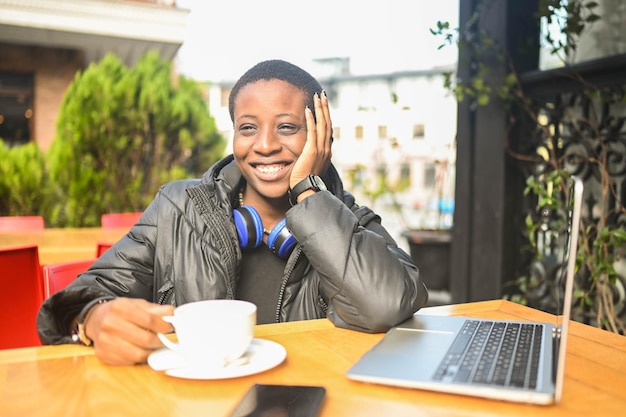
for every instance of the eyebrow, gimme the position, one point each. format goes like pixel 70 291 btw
pixel 256 117
pixel 246 115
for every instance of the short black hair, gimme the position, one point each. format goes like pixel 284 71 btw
pixel 276 69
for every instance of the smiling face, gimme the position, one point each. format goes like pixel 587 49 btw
pixel 270 133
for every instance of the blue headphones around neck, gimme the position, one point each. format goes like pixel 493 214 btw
pixel 250 230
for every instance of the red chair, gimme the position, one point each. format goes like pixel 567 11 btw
pixel 102 247
pixel 58 276
pixel 15 223
pixel 21 296
pixel 112 220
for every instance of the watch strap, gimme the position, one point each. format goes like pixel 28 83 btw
pixel 308 183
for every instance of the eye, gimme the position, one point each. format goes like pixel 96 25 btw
pixel 288 129
pixel 247 129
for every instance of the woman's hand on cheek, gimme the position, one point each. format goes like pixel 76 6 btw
pixel 317 151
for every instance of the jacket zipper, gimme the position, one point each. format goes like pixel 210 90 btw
pixel 163 298
pixel 286 277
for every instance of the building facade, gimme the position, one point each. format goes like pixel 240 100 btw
pixel 43 43
pixel 402 124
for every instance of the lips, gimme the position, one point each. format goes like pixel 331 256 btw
pixel 270 172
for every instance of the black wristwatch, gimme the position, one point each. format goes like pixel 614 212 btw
pixel 311 182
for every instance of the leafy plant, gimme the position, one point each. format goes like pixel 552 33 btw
pixel 601 242
pixel 569 18
pixel 600 248
pixel 23 180
pixel 121 133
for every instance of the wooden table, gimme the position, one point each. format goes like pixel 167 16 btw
pixel 69 381
pixel 63 245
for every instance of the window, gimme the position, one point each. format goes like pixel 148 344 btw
pixel 429 175
pixel 358 132
pixel 382 132
pixel 418 131
pixel 603 39
pixel 405 173
pixel 16 108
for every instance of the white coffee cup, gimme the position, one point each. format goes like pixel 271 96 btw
pixel 212 332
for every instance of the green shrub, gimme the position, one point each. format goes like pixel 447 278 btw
pixel 23 180
pixel 123 132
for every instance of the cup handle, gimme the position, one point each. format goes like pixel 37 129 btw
pixel 167 342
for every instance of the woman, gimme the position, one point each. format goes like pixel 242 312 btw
pixel 270 224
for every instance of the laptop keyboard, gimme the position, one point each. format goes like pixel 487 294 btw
pixel 494 353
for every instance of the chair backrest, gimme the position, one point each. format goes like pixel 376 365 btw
pixel 21 296
pixel 111 220
pixel 102 247
pixel 58 276
pixel 11 223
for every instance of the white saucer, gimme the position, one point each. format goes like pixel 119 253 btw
pixel 261 356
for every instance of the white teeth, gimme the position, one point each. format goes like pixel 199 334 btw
pixel 269 169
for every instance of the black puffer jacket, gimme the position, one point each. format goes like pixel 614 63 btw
pixel 184 248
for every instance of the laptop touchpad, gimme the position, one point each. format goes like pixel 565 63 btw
pixel 402 341
pixel 405 353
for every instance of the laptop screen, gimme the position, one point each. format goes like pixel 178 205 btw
pixel 567 271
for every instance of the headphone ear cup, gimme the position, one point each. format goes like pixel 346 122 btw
pixel 280 240
pixel 249 226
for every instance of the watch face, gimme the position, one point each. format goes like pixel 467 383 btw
pixel 319 183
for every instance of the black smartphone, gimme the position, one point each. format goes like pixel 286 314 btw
pixel 264 400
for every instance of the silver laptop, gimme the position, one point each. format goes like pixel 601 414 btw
pixel 499 359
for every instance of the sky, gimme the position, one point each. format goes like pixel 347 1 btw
pixel 224 38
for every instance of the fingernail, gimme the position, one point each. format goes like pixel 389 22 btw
pixel 324 92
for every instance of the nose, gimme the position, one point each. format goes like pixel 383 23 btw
pixel 267 142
